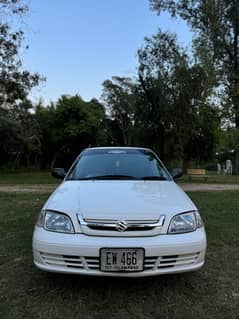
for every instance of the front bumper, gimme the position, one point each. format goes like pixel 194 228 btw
pixel 79 253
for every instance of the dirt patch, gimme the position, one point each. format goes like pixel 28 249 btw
pixel 48 188
pixel 41 189
pixel 209 187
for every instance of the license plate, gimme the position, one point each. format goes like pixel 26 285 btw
pixel 122 259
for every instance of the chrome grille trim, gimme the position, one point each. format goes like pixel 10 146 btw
pixel 112 224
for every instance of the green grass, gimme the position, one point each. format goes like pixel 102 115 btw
pixel 212 292
pixel 31 177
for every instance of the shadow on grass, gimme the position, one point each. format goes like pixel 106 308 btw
pixel 78 282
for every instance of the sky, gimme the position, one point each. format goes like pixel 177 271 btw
pixel 77 44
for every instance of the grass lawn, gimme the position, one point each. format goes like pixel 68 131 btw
pixel 212 292
pixel 31 177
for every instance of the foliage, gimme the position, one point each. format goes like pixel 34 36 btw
pixel 19 133
pixel 69 126
pixel 10 135
pixel 17 127
pixel 216 27
pixel 175 104
pixel 119 97
pixel 15 83
pixel 168 107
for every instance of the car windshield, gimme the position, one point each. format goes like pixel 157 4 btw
pixel 117 164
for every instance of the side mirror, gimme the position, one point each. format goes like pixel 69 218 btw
pixel 58 173
pixel 176 173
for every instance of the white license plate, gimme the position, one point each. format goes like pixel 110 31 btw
pixel 122 259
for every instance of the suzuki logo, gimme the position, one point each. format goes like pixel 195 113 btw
pixel 121 225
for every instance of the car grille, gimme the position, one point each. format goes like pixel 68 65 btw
pixel 93 263
pixel 121 228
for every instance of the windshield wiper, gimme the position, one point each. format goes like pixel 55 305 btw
pixel 154 178
pixel 106 177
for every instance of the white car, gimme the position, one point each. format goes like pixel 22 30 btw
pixel 118 212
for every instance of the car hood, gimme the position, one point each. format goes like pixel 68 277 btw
pixel 119 199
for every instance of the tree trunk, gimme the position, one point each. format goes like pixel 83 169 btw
pixel 236 163
pixel 53 160
pixel 236 107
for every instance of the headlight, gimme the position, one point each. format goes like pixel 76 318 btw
pixel 58 222
pixel 185 222
pixel 55 221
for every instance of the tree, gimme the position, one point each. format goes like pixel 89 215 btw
pixel 69 126
pixel 11 140
pixel 119 97
pixel 15 82
pixel 16 122
pixel 216 27
pixel 173 98
pixel 20 135
pixel 156 61
pixel 30 132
